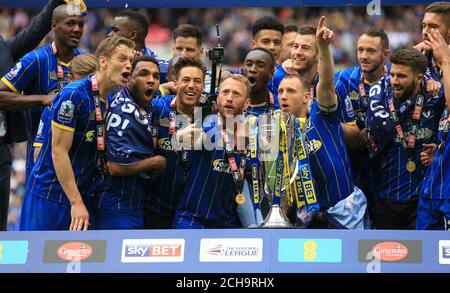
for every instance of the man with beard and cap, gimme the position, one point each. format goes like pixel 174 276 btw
pixel 130 156
pixel 402 121
pixel 55 195
pixel 43 72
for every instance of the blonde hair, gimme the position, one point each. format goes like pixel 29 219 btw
pixel 84 64
pixel 109 45
pixel 242 79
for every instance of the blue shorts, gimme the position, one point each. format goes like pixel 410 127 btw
pixel 106 219
pixel 40 214
pixel 433 214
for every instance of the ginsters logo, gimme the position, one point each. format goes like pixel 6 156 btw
pixel 61 251
pixel 231 250
pixel 392 251
pixel 75 251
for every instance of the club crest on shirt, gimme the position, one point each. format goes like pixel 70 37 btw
pixel 90 136
pixel 164 122
pixel 52 75
pixel 14 71
pixel 220 165
pixel 65 113
pixel 354 95
pixel 92 115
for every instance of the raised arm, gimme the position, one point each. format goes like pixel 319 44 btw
pixel 325 89
pixel 29 38
pixel 441 53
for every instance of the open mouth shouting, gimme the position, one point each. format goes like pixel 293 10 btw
pixel 126 77
pixel 228 109
pixel 252 80
pixel 148 93
pixel 284 107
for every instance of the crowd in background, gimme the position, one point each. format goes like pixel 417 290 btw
pixel 400 23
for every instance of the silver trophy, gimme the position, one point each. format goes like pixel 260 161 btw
pixel 278 164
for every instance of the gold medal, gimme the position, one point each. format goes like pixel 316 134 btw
pixel 240 198
pixel 411 166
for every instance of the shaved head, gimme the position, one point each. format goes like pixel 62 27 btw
pixel 64 11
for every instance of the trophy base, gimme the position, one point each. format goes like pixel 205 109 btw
pixel 276 219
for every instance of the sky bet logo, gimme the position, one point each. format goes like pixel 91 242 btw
pixel 444 252
pixel 152 250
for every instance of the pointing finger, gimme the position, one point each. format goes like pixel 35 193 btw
pixel 321 22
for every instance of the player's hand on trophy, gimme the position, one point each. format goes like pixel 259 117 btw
pixel 324 35
pixel 79 217
pixel 441 51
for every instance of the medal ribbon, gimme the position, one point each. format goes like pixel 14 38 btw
pixel 183 155
pixel 254 162
pixel 236 173
pixel 303 181
pixel 100 129
pixel 63 79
